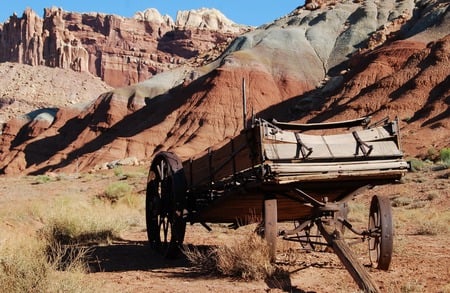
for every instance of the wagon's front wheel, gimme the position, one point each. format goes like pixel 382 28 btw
pixel 165 202
pixel 381 232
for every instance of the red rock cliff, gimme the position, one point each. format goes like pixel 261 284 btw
pixel 122 51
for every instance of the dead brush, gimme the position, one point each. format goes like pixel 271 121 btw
pixel 26 266
pixel 248 259
pixel 67 257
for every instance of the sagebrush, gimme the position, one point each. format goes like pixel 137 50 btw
pixel 248 259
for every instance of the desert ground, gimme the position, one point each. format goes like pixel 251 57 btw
pixel 421 260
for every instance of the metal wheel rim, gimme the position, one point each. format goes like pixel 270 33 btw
pixel 381 233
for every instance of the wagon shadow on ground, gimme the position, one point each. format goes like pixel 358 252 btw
pixel 122 256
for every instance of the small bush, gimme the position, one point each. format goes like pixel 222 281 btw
pixel 416 165
pixel 416 205
pixel 433 223
pixel 77 223
pixel 432 154
pixel 445 156
pixel 41 179
pixel 81 228
pixel 248 259
pixel 25 267
pixel 401 201
pixel 412 287
pixel 70 258
pixel 117 190
pixel 122 174
pixel 118 171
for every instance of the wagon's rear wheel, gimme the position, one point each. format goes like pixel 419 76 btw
pixel 165 203
pixel 381 232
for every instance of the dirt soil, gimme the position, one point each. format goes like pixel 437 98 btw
pixel 421 262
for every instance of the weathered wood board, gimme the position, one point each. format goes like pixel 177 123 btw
pixel 215 164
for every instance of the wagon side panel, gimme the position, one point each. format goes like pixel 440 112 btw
pixel 216 164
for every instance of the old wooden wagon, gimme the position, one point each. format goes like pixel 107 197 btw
pixel 277 172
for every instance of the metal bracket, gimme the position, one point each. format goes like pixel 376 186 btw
pixel 361 145
pixel 302 148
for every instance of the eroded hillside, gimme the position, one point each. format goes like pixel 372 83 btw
pixel 338 61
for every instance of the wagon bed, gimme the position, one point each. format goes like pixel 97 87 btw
pixel 270 158
pixel 274 172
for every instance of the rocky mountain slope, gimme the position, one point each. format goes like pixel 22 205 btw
pixel 25 88
pixel 337 61
pixel 121 51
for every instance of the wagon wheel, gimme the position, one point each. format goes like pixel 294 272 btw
pixel 381 232
pixel 165 203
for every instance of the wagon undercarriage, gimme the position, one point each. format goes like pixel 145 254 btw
pixel 273 172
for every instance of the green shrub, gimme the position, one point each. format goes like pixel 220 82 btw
pixel 445 156
pixel 117 190
pixel 41 179
pixel 416 164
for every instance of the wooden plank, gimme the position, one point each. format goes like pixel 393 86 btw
pixel 331 177
pixel 373 134
pixel 330 150
pixel 336 167
pixel 350 262
pixel 324 125
pixel 270 226
pixel 217 163
pixel 367 135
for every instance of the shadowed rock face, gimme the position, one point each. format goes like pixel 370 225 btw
pixel 334 62
pixel 121 51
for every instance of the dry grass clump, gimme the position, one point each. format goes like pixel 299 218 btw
pixel 23 267
pixel 401 201
pixel 412 287
pixel 248 259
pixel 121 192
pixel 426 222
pixel 55 258
pixel 357 212
pixel 81 224
pixel 26 267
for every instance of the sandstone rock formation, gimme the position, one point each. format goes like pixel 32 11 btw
pixel 205 18
pixel 121 51
pixel 311 65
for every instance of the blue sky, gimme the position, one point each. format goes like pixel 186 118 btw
pixel 250 12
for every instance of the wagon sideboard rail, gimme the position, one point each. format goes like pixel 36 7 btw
pixel 304 173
